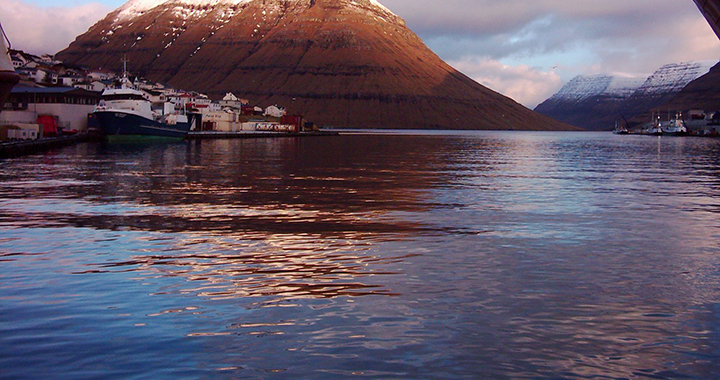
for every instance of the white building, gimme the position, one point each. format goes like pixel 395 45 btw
pixel 275 111
pixel 230 100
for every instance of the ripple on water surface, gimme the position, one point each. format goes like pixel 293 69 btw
pixel 412 255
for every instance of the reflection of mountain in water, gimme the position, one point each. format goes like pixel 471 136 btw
pixel 258 218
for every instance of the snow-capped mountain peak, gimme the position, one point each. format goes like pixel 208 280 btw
pixel 135 8
pixel 584 87
pixel 673 77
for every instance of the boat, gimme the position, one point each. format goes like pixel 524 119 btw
pixel 620 129
pixel 654 129
pixel 674 127
pixel 126 111
pixel 8 77
pixel 671 127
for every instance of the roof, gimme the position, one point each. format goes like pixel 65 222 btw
pixel 53 90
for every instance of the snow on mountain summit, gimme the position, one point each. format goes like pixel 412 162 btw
pixel 596 102
pixel 135 8
pixel 138 7
pixel 584 87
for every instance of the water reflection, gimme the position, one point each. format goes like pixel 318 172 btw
pixel 281 268
pixel 481 255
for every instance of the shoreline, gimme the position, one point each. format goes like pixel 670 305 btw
pixel 14 149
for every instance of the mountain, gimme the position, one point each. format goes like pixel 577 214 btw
pixel 342 63
pixel 596 102
pixel 702 94
pixel 591 102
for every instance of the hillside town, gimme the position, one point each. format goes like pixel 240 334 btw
pixel 54 99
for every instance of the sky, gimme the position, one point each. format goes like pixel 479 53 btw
pixel 525 49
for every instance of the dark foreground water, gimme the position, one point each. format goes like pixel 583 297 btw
pixel 414 256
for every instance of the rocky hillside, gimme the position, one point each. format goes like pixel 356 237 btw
pixel 702 94
pixel 343 63
pixel 596 102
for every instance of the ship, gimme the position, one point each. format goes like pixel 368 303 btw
pixel 8 77
pixel 126 111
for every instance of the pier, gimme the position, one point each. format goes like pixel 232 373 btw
pixel 12 149
pixel 212 135
pixel 22 148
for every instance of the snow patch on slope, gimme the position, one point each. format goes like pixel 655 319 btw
pixel 135 8
pixel 674 77
pixel 584 87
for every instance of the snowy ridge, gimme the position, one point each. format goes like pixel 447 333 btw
pixel 585 87
pixel 668 79
pixel 674 77
pixel 135 8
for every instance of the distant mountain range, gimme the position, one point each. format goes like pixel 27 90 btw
pixel 596 102
pixel 341 63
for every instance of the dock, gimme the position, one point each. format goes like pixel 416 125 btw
pixel 13 149
pixel 213 135
pixel 21 148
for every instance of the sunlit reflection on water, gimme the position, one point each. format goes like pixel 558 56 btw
pixel 418 255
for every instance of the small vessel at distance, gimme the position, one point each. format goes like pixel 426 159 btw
pixel 126 111
pixel 620 129
pixel 8 77
pixel 671 127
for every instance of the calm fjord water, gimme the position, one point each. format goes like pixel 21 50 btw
pixel 442 255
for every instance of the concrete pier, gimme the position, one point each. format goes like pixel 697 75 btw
pixel 209 135
pixel 21 148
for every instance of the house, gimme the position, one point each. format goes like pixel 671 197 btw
pixel 155 96
pixel 251 111
pixel 100 75
pixel 274 111
pixel 95 86
pixel 17 62
pixel 69 80
pixel 232 101
pixel 22 59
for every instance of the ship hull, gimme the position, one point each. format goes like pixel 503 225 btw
pixel 116 123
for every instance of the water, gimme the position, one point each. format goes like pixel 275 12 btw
pixel 430 255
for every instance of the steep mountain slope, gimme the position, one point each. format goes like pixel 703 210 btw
pixel 595 103
pixel 344 63
pixel 702 93
pixel 590 102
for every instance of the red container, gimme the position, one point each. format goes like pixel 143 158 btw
pixel 293 120
pixel 49 124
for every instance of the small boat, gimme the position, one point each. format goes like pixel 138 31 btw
pixel 8 77
pixel 620 129
pixel 654 130
pixel 126 111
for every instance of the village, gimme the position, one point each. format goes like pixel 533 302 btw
pixel 55 99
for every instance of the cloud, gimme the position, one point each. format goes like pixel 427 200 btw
pixel 40 30
pixel 522 83
pixel 505 43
